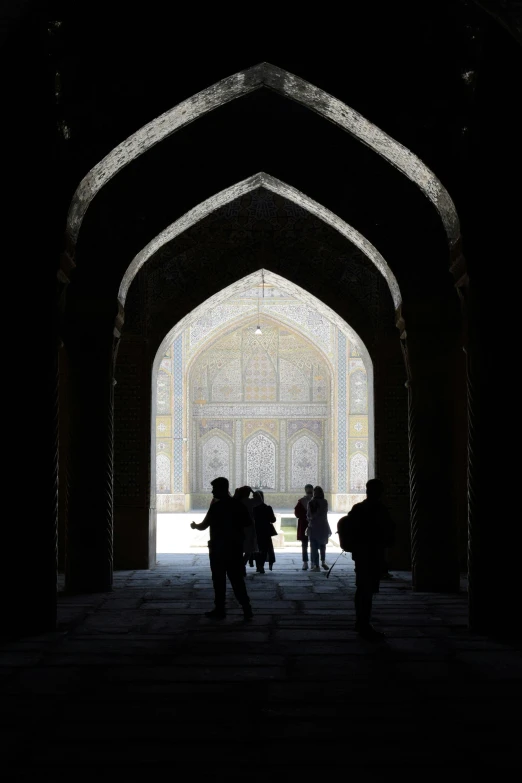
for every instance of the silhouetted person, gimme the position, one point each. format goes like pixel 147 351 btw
pixel 302 522
pixel 371 531
pixel 250 547
pixel 318 528
pixel 264 518
pixel 227 518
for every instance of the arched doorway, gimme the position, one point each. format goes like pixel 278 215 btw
pixel 290 406
pixel 262 255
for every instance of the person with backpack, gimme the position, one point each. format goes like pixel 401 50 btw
pixel 365 532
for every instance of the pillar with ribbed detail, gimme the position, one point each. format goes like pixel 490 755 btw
pixel 91 348
pixel 493 498
pixel 431 352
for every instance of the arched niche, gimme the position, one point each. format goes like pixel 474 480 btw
pixel 214 347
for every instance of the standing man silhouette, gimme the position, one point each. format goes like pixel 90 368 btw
pixel 227 519
pixel 372 530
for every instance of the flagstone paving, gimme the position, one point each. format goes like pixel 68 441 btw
pixel 138 679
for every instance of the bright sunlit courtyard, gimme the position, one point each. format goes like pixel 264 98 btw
pixel 175 536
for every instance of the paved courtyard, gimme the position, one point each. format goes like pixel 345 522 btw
pixel 137 679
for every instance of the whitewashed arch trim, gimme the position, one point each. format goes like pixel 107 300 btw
pixel 290 86
pixel 260 180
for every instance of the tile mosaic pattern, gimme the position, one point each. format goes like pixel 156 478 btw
pixel 162 473
pixel 358 473
pixel 276 385
pixel 215 460
pixel 177 350
pixel 342 465
pixel 261 462
pixel 358 392
pixel 305 462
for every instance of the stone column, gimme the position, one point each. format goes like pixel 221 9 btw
pixel 391 440
pixel 493 499
pixel 134 498
pixel 91 348
pixel 430 353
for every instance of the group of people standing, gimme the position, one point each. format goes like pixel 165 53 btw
pixel 257 544
pixel 241 530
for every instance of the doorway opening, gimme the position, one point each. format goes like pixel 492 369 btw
pixel 266 385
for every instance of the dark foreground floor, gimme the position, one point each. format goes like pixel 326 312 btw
pixel 138 680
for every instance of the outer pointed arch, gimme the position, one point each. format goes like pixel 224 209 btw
pixel 242 83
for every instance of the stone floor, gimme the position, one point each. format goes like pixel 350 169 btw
pixel 137 679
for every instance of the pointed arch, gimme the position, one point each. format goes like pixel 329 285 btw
pixel 260 180
pixel 286 437
pixel 289 86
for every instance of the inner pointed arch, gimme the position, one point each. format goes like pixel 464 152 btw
pixel 290 86
pixel 336 436
pixel 260 180
pixel 251 280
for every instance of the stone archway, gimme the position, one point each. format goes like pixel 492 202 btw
pixel 450 224
pixel 273 185
pixel 290 86
pixel 217 431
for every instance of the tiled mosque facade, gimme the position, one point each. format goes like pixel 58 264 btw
pixel 277 410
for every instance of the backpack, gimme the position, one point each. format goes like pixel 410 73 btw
pixel 346 530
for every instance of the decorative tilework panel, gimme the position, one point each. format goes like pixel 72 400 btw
pixel 227 383
pixel 260 462
pixel 163 427
pixel 269 425
pixel 215 318
pixel 358 392
pixel 215 460
pixel 260 379
pixel 285 410
pixel 177 350
pixel 166 365
pixel 358 473
pixel 282 455
pixel 358 427
pixel 342 465
pixel 305 462
pixel 164 445
pixel 162 473
pixel 357 445
pixel 205 425
pixel 294 386
pixel 321 387
pixel 163 393
pixel 313 425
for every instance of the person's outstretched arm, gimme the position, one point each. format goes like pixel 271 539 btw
pixel 205 523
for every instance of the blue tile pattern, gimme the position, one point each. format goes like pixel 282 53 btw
pixel 177 371
pixel 341 414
